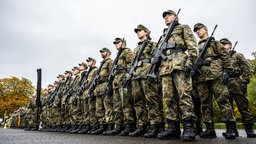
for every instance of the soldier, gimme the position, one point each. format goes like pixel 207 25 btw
pixel 64 107
pixel 79 102
pixel 144 93
pixel 209 83
pixel 100 90
pixel 56 105
pixel 91 119
pixel 44 105
pixel 121 99
pixel 86 115
pixel 31 114
pixel 237 86
pixel 73 111
pixel 176 86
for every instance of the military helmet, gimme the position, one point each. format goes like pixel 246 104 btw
pixel 117 40
pixel 169 12
pixel 141 27
pixel 225 41
pixel 198 26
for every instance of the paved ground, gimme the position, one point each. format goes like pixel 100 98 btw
pixel 14 136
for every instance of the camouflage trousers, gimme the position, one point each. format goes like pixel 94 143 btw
pixel 55 116
pixel 78 113
pixel 122 107
pixel 146 102
pixel 235 93
pixel 92 111
pixel 206 92
pixel 100 109
pixel 109 112
pixel 177 96
pixel 86 114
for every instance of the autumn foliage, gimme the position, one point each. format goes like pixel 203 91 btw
pixel 14 92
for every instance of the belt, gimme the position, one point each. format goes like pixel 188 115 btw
pixel 120 71
pixel 234 75
pixel 173 50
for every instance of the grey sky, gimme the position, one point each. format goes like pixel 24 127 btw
pixel 56 35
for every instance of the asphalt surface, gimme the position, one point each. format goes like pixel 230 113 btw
pixel 15 136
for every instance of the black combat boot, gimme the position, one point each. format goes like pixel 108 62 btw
pixel 65 127
pixel 85 130
pixel 230 132
pixel 77 129
pixel 199 128
pixel 94 128
pixel 140 131
pixel 209 132
pixel 152 131
pixel 236 132
pixel 100 130
pixel 71 127
pixel 27 128
pixel 188 130
pixel 128 129
pixel 249 131
pixel 34 128
pixel 109 128
pixel 172 132
pixel 74 128
pixel 115 131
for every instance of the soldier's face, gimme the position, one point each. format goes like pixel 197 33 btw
pixel 201 32
pixel 169 18
pixel 118 45
pixel 104 54
pixel 81 68
pixel 141 34
pixel 227 47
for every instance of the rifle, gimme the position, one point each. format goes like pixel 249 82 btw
pixel 200 60
pixel 53 96
pixel 95 80
pixel 80 89
pixel 62 91
pixel 112 72
pixel 161 47
pixel 70 91
pixel 233 50
pixel 135 63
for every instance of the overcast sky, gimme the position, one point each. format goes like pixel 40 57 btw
pixel 56 35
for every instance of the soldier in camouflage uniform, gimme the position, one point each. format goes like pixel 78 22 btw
pixel 176 86
pixel 79 102
pixel 52 107
pixel 237 86
pixel 56 105
pixel 91 119
pixel 47 108
pixel 43 114
pixel 64 107
pixel 86 115
pixel 31 114
pixel 100 90
pixel 209 83
pixel 73 110
pixel 144 93
pixel 22 117
pixel 121 99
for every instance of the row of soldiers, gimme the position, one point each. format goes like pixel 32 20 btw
pixel 125 96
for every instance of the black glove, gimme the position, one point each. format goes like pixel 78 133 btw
pixel 225 77
pixel 74 102
pixel 188 69
pixel 244 88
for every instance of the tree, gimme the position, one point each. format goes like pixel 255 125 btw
pixel 14 93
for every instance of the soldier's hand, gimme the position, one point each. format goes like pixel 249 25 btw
pixel 225 77
pixel 244 88
pixel 74 102
pixel 188 69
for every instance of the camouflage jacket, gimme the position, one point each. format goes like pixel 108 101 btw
pixel 241 67
pixel 90 78
pixel 104 73
pixel 74 85
pixel 124 63
pixel 181 38
pixel 219 58
pixel 143 68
